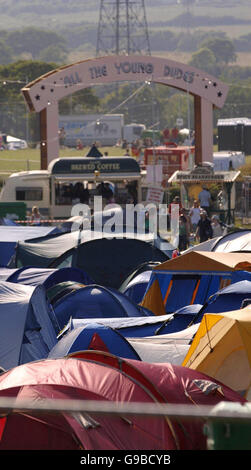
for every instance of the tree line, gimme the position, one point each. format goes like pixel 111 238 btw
pixel 154 106
pixel 38 44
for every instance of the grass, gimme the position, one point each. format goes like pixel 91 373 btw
pixel 13 161
pixel 29 159
pixel 19 160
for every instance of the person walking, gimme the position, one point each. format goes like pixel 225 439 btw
pixel 184 230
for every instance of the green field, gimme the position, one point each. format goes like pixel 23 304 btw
pixel 29 159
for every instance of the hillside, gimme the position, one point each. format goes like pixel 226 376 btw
pixel 22 13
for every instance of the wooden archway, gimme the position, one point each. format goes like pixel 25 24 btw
pixel 42 95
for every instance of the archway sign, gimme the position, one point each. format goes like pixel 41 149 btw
pixel 43 94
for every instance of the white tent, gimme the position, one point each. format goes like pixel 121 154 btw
pixel 171 347
pixel 13 143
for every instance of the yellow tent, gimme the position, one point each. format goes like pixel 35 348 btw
pixel 221 349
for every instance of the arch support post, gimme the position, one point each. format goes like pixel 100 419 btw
pixel 203 126
pixel 49 140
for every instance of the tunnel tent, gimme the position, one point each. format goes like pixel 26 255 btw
pixel 197 275
pixel 143 326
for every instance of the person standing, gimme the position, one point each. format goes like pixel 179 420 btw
pixel 184 230
pixel 216 226
pixel 204 229
pixel 35 216
pixel 194 214
pixel 205 199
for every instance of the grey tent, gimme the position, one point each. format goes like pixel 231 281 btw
pixel 237 241
pixel 27 331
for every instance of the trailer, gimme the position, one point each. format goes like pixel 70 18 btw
pixel 56 190
pixel 107 129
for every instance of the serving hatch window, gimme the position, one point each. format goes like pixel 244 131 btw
pixel 70 193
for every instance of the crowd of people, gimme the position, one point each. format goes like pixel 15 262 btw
pixel 197 223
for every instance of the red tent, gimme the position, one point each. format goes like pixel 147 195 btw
pixel 101 376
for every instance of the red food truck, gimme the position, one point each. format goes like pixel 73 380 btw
pixel 171 157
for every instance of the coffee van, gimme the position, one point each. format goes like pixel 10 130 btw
pixel 54 190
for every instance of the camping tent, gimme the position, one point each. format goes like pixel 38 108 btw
pixel 237 241
pixel 27 330
pixel 234 242
pixel 86 250
pixel 229 298
pixel 43 276
pixel 221 349
pixel 170 347
pixel 11 235
pixel 136 288
pixel 109 261
pixel 192 278
pixel 102 377
pixel 93 336
pixel 40 252
pixel 142 326
pixel 95 301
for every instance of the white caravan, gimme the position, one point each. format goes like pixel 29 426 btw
pixel 54 190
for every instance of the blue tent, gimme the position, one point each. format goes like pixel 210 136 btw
pixel 27 330
pixel 136 288
pixel 96 301
pixel 229 298
pixel 11 235
pixel 192 278
pixel 43 276
pixel 93 336
pixel 136 327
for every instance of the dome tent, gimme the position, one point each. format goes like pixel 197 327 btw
pixel 93 336
pixel 109 261
pixel 47 277
pixel 27 330
pixel 102 377
pixel 96 301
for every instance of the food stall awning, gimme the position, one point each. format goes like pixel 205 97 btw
pixel 198 175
